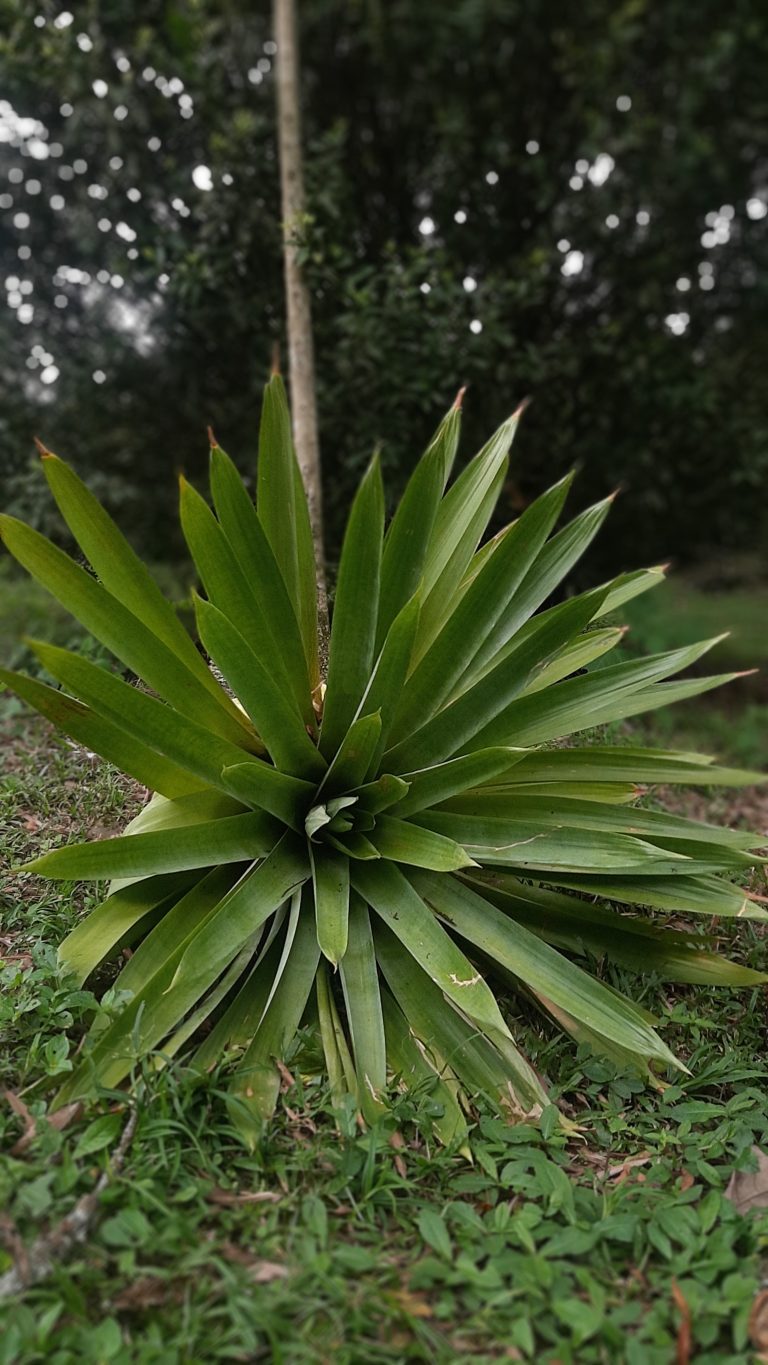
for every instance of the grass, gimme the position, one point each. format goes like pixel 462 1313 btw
pixel 332 1243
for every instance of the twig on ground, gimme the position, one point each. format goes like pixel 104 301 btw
pixel 38 1260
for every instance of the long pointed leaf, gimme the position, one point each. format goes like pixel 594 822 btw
pixel 353 625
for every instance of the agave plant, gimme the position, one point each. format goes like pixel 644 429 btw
pixel 362 855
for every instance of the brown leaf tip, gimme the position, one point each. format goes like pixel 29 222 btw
pixel 42 450
pixel 211 437
pixel 521 407
pixel 275 369
pixel 459 399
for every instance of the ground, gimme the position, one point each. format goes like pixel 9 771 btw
pixel 618 1244
pixel 337 1244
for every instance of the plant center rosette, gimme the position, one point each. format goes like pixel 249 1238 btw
pixel 376 859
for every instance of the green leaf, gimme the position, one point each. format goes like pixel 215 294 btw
pixel 407 537
pixel 360 983
pixel 550 567
pixel 395 900
pixel 254 555
pixel 355 755
pixel 143 718
pixel 119 567
pixel 432 785
pixel 523 843
pixel 330 874
pixel 578 926
pixel 275 717
pixel 483 708
pixel 338 1059
pixel 108 925
pixel 256 1084
pixel 540 966
pixel 606 763
pixel 385 688
pixel 283 512
pixel 229 590
pixel 441 666
pixel 101 736
pixel 461 520
pixel 353 625
pixel 123 634
pixel 381 794
pixel 265 788
pixel 407 843
pixel 434 1232
pixel 410 1063
pixel 605 695
pixel 553 812
pixel 584 650
pixel 236 838
pixel 451 1041
pixel 102 1132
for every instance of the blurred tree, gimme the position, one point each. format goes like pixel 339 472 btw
pixel 529 197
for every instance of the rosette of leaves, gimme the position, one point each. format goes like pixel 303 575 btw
pixel 371 856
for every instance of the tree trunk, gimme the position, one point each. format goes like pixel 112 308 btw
pixel 301 363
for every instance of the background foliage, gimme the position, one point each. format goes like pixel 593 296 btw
pixel 594 185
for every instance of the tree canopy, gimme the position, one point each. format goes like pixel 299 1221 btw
pixel 533 199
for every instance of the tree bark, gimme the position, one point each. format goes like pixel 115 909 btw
pixel 301 363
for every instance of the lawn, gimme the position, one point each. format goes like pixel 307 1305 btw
pixel 335 1243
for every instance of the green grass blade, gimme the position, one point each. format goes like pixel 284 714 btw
pixel 353 624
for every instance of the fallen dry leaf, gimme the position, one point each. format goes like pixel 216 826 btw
pixel 263 1272
pixel 231 1198
pixel 148 1292
pixel 748 1190
pixel 622 1169
pixel 758 1324
pixel 30 1124
pixel 683 1352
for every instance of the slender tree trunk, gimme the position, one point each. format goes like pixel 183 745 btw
pixel 301 363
